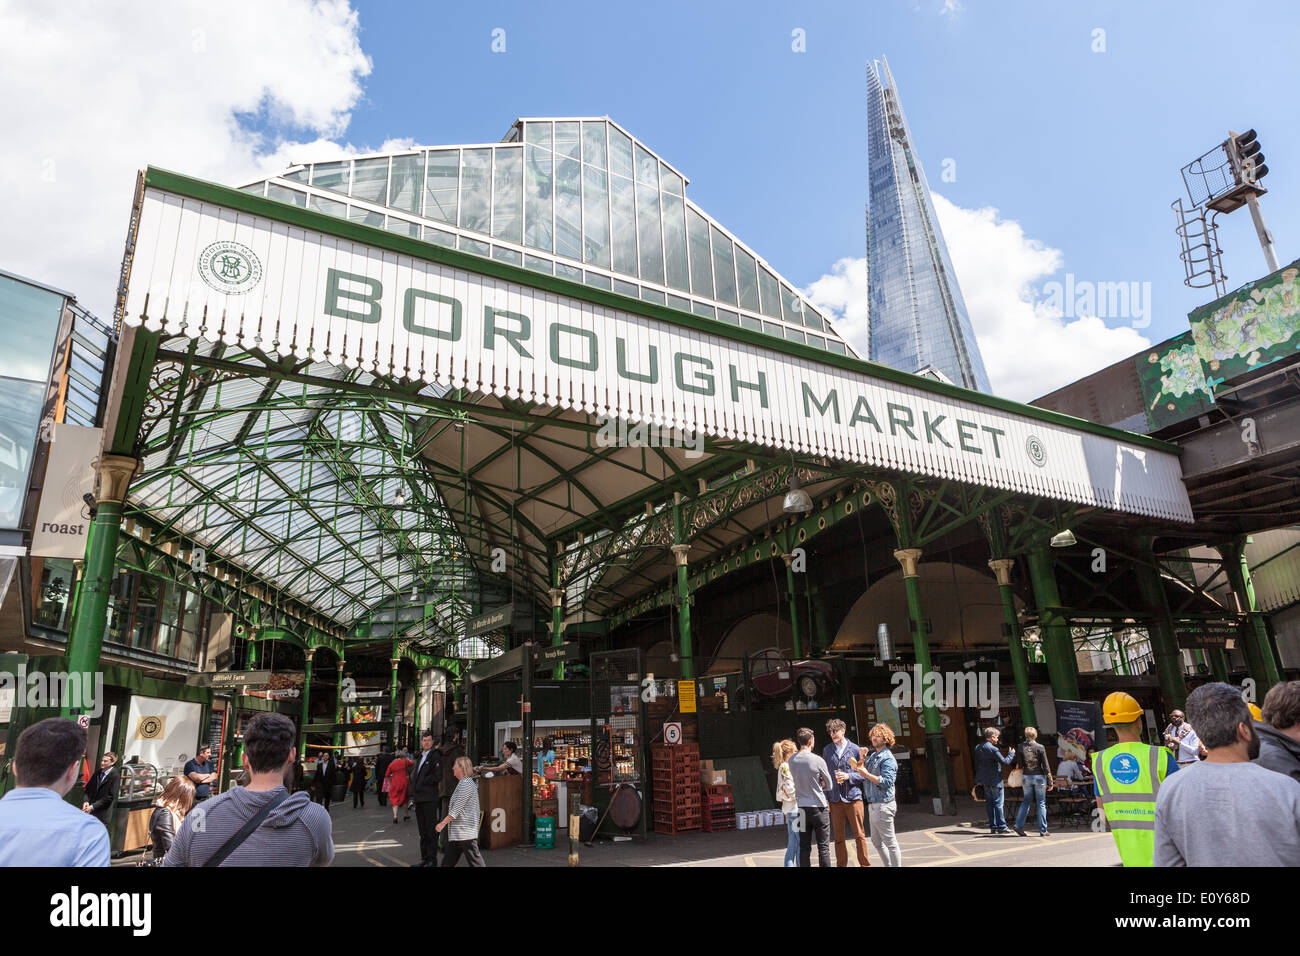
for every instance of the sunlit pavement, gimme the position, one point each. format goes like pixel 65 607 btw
pixel 368 837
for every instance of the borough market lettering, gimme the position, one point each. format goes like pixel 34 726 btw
pixel 357 298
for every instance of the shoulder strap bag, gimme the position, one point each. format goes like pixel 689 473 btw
pixel 246 830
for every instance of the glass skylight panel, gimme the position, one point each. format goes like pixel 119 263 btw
pixel 403 226
pixel 649 235
pixel 677 302
pixel 813 320
pixel 598 281
pixel 568 204
pixel 508 194
pixel 440 237
pixel 670 181
pixel 724 267
pixel 465 244
pixel 282 194
pixel 794 335
pixel 652 295
pixel 370 180
pixel 568 272
pixel 538 199
pixel 475 190
pixel 746 280
pixel 408 179
pixel 627 288
pixel 701 257
pixel 257 188
pixel 539 264
pixel 538 133
pixel 620 153
pixel 566 139
pixel 647 168
pixel 299 175
pixel 441 185
pixel 595 214
pixel 507 255
pixel 770 290
pixel 792 305
pixel 366 217
pixel 622 214
pixel 333 176
pixel 675 263
pixel 593 144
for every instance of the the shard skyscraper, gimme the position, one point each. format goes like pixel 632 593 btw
pixel 918 318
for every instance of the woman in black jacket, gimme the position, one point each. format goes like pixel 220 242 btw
pixel 169 810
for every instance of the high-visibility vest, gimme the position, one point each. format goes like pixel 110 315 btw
pixel 1128 778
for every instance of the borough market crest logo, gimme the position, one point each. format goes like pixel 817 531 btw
pixel 230 267
pixel 1036 451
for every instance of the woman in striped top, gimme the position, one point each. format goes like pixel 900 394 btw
pixel 463 817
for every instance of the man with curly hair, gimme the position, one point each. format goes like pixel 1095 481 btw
pixel 880 769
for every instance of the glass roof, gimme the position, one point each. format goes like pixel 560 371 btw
pixel 579 198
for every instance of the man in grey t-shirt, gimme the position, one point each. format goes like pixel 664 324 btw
pixel 296 832
pixel 812 778
pixel 1225 810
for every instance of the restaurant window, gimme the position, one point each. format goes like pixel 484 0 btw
pixel 55 595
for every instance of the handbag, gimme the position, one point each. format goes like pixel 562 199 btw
pixel 1016 778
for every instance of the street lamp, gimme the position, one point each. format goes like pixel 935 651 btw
pixel 1065 539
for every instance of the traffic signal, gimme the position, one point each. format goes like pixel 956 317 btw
pixel 1250 161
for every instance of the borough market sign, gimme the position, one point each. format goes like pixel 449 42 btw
pixel 221 265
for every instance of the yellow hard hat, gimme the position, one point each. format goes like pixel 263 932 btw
pixel 1120 708
pixel 1256 712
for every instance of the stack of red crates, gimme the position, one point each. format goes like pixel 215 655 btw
pixel 718 809
pixel 676 787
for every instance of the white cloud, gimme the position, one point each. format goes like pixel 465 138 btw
pixel 1029 347
pixel 951 8
pixel 94 91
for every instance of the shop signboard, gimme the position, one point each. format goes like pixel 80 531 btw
pixel 229 679
pixel 489 620
pixel 1079 729
pixel 360 298
pixel 63 519
pixel 1250 328
pixel 557 654
pixel 282 685
pixel 1207 634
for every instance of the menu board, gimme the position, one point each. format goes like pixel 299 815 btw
pixel 216 736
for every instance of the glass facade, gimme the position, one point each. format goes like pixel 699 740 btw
pixel 576 198
pixel 917 315
pixel 29 325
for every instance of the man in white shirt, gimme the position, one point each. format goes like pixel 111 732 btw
pixel 1182 740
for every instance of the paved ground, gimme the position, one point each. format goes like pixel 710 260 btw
pixel 368 837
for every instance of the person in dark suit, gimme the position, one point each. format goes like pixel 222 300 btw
pixel 381 770
pixel 101 789
pixel 988 774
pixel 425 787
pixel 326 772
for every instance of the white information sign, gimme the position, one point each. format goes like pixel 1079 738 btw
pixel 63 519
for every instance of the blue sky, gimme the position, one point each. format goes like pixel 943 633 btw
pixel 1082 148
pixel 1077 151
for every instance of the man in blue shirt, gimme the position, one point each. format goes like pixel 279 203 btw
pixel 988 773
pixel 37 827
pixel 845 796
pixel 199 770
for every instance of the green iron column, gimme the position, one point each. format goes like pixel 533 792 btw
pixel 819 618
pixel 1061 666
pixel 338 702
pixel 794 607
pixel 557 620
pixel 86 630
pixel 683 602
pixel 306 702
pixel 1019 664
pixel 936 747
pixel 1259 651
pixel 1164 645
pixel 392 692
pixel 1119 650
